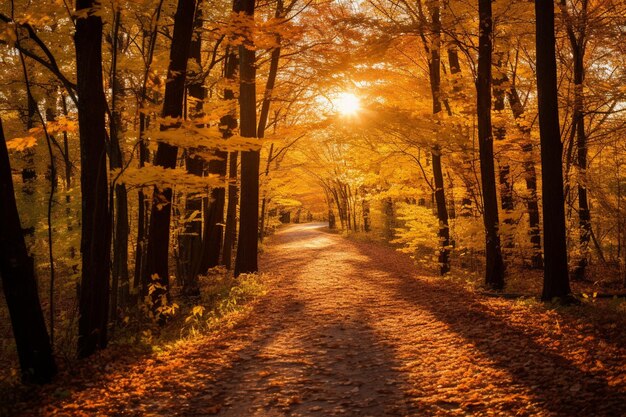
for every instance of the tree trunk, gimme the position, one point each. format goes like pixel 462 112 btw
pixel 366 215
pixel 96 231
pixel 214 229
pixel 143 211
pixel 20 286
pixel 555 278
pixel 504 170
pixel 494 271
pixel 230 231
pixel 190 243
pixel 120 277
pixel 578 44
pixel 440 196
pixel 264 201
pixel 159 229
pixel 532 203
pixel 246 260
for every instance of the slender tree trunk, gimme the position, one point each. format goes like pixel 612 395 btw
pixel 366 215
pixel 230 231
pixel 246 260
pixel 555 279
pixel 96 232
pixel 157 255
pixel 214 229
pixel 494 271
pixel 440 196
pixel 142 215
pixel 190 243
pixel 390 218
pixel 265 109
pixel 20 286
pixel 264 201
pixel 530 174
pixel 578 45
pixel 120 276
pixel 504 170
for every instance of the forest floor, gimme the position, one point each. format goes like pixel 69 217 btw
pixel 350 328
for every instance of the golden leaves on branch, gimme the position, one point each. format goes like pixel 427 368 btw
pixel 166 178
pixel 21 144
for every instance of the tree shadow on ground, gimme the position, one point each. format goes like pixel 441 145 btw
pixel 555 382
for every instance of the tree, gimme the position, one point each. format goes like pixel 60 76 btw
pixel 494 270
pixel 20 286
pixel 578 44
pixel 96 230
pixel 213 234
pixel 159 229
pixel 555 275
pixel 247 246
pixel 191 242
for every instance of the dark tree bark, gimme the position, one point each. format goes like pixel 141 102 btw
pixel 120 277
pixel 96 230
pixel 20 286
pixel 230 231
pixel 265 109
pixel 530 174
pixel 142 213
pixel 247 246
pixel 578 44
pixel 504 170
pixel 141 277
pixel 191 242
pixel 440 196
pixel 555 277
pixel 157 255
pixel 390 219
pixel 366 215
pixel 264 200
pixel 214 232
pixel 494 268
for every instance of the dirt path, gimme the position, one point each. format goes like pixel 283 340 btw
pixel 350 329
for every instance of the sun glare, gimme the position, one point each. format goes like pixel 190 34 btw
pixel 347 104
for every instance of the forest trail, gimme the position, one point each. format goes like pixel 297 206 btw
pixel 349 328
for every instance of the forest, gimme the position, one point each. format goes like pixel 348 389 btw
pixel 313 207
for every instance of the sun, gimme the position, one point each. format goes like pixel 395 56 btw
pixel 347 103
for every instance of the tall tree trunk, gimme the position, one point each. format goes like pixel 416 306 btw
pixel 555 276
pixel 246 260
pixel 190 243
pixel 230 231
pixel 264 200
pixel 142 214
pixel 149 42
pixel 214 231
pixel 96 231
pixel 494 269
pixel 530 174
pixel 578 45
pixel 20 286
pixel 265 109
pixel 440 196
pixel 159 229
pixel 504 170
pixel 120 278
